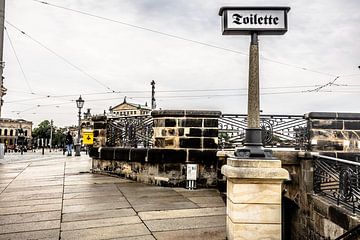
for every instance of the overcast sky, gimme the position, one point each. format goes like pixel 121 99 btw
pixel 322 42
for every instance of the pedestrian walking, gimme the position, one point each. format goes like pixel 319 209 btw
pixel 69 143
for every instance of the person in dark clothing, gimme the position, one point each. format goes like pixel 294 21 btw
pixel 69 143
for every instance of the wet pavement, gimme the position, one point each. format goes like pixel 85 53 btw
pixel 56 197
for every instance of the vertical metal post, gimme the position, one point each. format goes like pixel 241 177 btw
pixel 153 101
pixel 77 152
pixel 51 133
pixel 253 142
pixel 2 17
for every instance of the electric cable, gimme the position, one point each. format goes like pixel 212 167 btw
pixel 18 61
pixel 60 56
pixel 177 37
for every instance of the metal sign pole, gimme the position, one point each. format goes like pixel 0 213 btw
pixel 253 21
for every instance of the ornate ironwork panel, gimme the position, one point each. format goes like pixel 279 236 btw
pixel 277 130
pixel 338 180
pixel 136 131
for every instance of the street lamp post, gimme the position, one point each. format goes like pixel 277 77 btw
pixel 79 104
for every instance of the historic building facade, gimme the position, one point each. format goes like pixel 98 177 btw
pixel 11 129
pixel 126 109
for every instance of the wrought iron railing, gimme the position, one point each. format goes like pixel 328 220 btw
pixel 277 130
pixel 338 180
pixel 134 131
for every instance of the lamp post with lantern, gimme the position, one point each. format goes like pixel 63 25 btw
pixel 79 104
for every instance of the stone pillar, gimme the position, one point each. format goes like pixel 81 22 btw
pixel 99 135
pixel 254 198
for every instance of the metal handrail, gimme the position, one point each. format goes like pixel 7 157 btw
pixel 337 159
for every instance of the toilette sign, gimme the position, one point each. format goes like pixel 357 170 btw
pixel 262 20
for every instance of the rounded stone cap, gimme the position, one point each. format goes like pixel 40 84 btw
pixel 255 169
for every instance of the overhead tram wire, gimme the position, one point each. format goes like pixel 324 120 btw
pixel 59 56
pixel 18 61
pixel 179 37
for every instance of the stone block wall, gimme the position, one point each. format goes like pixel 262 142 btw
pixel 99 135
pixel 334 131
pixel 165 167
pixel 184 129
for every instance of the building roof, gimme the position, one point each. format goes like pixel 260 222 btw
pixel 130 105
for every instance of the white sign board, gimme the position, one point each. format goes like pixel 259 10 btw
pixel 191 171
pixel 262 20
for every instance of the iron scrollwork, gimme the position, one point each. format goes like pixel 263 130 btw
pixel 338 180
pixel 133 132
pixel 277 130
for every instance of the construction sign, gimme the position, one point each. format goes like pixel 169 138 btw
pixel 88 138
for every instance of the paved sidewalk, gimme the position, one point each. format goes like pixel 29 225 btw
pixel 55 197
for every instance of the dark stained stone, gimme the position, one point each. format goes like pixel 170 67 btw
pixel 169 142
pixel 94 152
pixel 167 113
pixel 171 132
pixel 190 142
pixel 99 125
pixel 170 122
pixel 107 153
pixel 206 157
pixel 98 118
pixel 194 122
pixel 209 143
pixel 159 122
pixel 327 124
pixel 166 156
pixel 180 132
pixel 352 125
pixel 339 217
pixel 138 154
pixel 159 142
pixel 199 113
pixel 210 132
pixel 122 154
pixel 333 115
pixel 194 132
pixel 211 122
pixel 96 133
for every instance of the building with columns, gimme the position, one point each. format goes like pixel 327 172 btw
pixel 126 109
pixel 10 130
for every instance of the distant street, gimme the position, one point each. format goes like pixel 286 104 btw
pixel 52 196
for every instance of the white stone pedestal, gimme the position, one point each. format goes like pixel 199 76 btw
pixel 254 198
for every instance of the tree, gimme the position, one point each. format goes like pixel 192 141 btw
pixel 44 131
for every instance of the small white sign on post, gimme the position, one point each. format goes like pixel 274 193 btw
pixel 191 172
pixel 262 20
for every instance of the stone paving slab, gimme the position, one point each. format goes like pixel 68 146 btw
pixel 30 226
pixel 101 214
pixel 90 194
pixel 56 196
pixel 93 200
pixel 45 234
pixel 207 201
pixel 30 209
pixel 30 202
pixel 213 233
pixel 122 231
pixel 96 223
pixel 30 217
pixel 185 223
pixel 183 213
pixel 28 196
